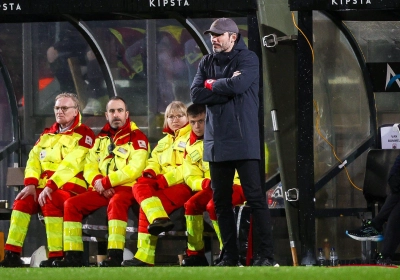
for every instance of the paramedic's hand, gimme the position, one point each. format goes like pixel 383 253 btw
pixel 28 190
pixel 206 184
pixel 108 193
pixel 98 186
pixel 46 193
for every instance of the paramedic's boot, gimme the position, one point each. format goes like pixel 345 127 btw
pixel 160 225
pixel 71 259
pixel 49 262
pixel 195 260
pixel 135 262
pixel 12 259
pixel 114 258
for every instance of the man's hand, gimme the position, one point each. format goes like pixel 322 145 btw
pixel 208 84
pixel 236 73
pixel 98 186
pixel 44 194
pixel 28 190
pixel 108 193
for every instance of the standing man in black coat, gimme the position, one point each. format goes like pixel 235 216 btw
pixel 227 81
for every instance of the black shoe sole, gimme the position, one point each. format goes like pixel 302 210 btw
pixel 156 229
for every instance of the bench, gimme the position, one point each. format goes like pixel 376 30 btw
pixel 95 225
pixel 95 229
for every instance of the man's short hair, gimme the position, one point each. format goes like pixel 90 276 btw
pixel 117 98
pixel 196 109
pixel 73 96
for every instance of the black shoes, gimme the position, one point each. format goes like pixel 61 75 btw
pixel 49 262
pixel 366 233
pixel 71 259
pixel 381 260
pixel 114 258
pixel 160 225
pixel 264 262
pixel 12 259
pixel 228 262
pixel 135 262
pixel 196 260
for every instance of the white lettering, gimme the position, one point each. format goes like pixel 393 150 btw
pixel 346 2
pixel 172 3
pixel 10 6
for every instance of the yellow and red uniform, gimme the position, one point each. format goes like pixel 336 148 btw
pixel 197 177
pixel 118 158
pixel 168 192
pixel 56 161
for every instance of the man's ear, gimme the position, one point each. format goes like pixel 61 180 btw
pixel 234 37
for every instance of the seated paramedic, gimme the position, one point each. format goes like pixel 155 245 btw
pixel 117 159
pixel 197 177
pixel 161 189
pixel 54 173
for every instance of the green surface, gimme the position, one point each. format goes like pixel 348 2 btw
pixel 201 273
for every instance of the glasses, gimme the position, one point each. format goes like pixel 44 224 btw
pixel 63 108
pixel 171 118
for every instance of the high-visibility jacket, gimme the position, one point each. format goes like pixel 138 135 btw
pixel 57 159
pixel 195 170
pixel 118 158
pixel 167 157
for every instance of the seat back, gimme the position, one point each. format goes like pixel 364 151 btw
pixel 15 177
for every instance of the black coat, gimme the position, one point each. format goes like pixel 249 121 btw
pixel 232 130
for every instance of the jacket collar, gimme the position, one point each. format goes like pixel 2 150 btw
pixel 55 128
pixel 179 132
pixel 107 130
pixel 194 137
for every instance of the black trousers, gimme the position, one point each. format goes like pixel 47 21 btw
pixel 222 174
pixel 390 213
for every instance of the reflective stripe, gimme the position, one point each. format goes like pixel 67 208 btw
pixel 194 229
pixel 116 234
pixel 18 228
pixel 217 232
pixel 73 236
pixel 54 232
pixel 153 209
pixel 146 247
